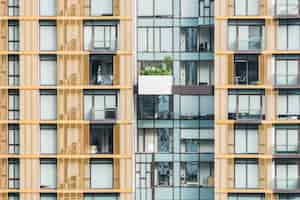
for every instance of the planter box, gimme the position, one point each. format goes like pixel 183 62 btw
pixel 152 85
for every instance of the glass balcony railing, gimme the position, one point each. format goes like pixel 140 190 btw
pixel 288 148
pixel 103 45
pixel 103 114
pixel 286 183
pixel 247 114
pixel 246 45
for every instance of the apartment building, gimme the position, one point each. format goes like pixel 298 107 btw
pixel 66 85
pixel 257 99
pixel 175 105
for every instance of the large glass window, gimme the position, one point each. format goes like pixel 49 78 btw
pixel 164 173
pixel 48 197
pixel 246 140
pixel 286 72
pixel 13 196
pixel 13 7
pixel 246 197
pixel 288 105
pixel 155 140
pixel 13 139
pixel 101 139
pixel 47 7
pixel 13 36
pixel 189 8
pixel 101 69
pixel 189 39
pixel 48 105
pixel 247 7
pixel 246 174
pixel 286 173
pixel 101 8
pixel 101 173
pixel 48 70
pixel 13 105
pixel 13 174
pixel 48 173
pixel 13 70
pixel 102 196
pixel 155 39
pixel 288 37
pixel 155 107
pixel 163 8
pixel 245 37
pixel 189 107
pixel 190 173
pixel 100 106
pixel 100 37
pixel 206 41
pixel 47 36
pixel 287 7
pixel 196 73
pixel 286 140
pixel 246 69
pixel 48 139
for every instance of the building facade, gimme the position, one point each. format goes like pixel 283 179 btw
pixel 174 157
pixel 257 99
pixel 66 99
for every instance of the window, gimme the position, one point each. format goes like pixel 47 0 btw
pixel 13 36
pixel 207 107
pixel 164 173
pixel 206 10
pixel 48 139
pixel 206 176
pixel 145 7
pixel 246 197
pixel 245 37
pixel 48 173
pixel 246 174
pixel 189 39
pixel 245 106
pixel 101 70
pixel 189 8
pixel 101 139
pixel 101 8
pixel 47 36
pixel 101 173
pixel 13 139
pixel 48 70
pixel 163 8
pixel 155 39
pixel 246 140
pixel 286 175
pixel 195 73
pixel 206 41
pixel 191 140
pixel 101 196
pixel 286 140
pixel 13 70
pixel 48 197
pixel 286 72
pixel 247 7
pixel 190 173
pixel 13 105
pixel 13 174
pixel 13 196
pixel 288 37
pixel 47 7
pixel 288 105
pixel 155 140
pixel 155 8
pixel 189 107
pixel 100 106
pixel 48 105
pixel 13 7
pixel 287 7
pixel 246 69
pixel 100 36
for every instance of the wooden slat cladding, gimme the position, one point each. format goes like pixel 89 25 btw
pixel 3 8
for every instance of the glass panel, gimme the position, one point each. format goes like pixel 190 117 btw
pixel 163 142
pixel 282 105
pixel 204 73
pixel 103 179
pixel 47 38
pixel 293 37
pixel 190 73
pixel 281 8
pixel 254 37
pixel 253 7
pixel 243 104
pixel 166 39
pixel 232 104
pixel 103 7
pixel 48 107
pixel 240 7
pixel 282 37
pixel 240 141
pixel 281 70
pixel 232 37
pixel 252 175
pixel 48 72
pixel 189 8
pixel 252 142
pixel 240 176
pixel 48 175
pixel 163 8
pixel 47 7
pixel 292 72
pixel 281 143
pixel 189 106
pixel 292 7
pixel 292 140
pixel 145 7
pixel 142 39
pixel 48 140
pixel 255 107
pixel 293 104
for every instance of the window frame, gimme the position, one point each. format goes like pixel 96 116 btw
pixel 246 163
pixel 52 162
pixel 16 139
pixel 14 7
pixel 15 41
pixel 286 130
pixel 13 77
pixel 14 181
pixel 246 132
pixel 14 107
pixel 286 75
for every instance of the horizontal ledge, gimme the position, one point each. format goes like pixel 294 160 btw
pixel 32 18
pixel 62 52
pixel 66 87
pixel 243 191
pixel 66 156
pixel 266 122
pixel 229 156
pixel 60 122
pixel 80 191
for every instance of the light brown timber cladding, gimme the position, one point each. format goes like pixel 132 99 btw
pixel 3 173
pixel 3 35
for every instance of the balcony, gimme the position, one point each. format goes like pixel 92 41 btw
pixel 246 70
pixel 101 139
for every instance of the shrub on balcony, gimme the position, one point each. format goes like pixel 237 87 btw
pixel 165 69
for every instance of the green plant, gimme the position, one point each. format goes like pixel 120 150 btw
pixel 164 69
